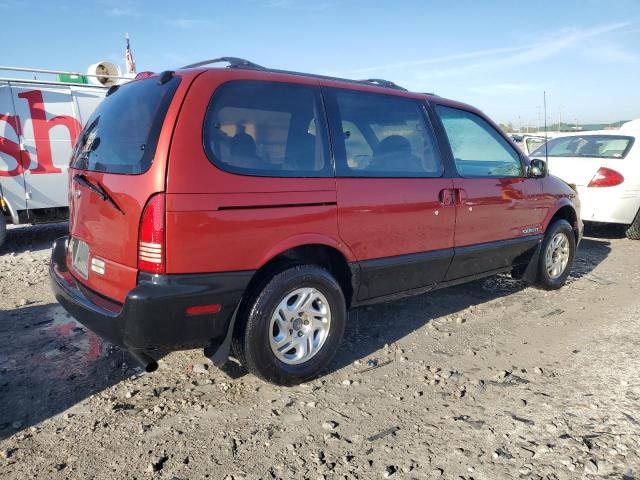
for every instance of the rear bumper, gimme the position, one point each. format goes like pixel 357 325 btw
pixel 609 204
pixel 153 316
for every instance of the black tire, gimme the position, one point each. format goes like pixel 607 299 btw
pixel 544 279
pixel 633 232
pixel 251 341
pixel 3 229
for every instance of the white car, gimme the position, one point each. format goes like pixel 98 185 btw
pixel 528 143
pixel 604 167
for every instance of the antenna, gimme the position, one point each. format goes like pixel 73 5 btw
pixel 546 141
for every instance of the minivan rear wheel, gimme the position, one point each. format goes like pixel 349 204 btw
pixel 556 255
pixel 291 326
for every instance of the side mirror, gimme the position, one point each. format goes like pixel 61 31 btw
pixel 537 168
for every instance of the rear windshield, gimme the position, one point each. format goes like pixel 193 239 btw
pixel 592 146
pixel 121 135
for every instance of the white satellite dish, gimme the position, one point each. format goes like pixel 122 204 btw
pixel 104 71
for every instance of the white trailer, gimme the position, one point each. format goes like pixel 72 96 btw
pixel 40 121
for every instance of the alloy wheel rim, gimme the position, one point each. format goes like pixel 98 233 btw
pixel 299 326
pixel 557 255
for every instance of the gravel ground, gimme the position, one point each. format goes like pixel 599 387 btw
pixel 488 380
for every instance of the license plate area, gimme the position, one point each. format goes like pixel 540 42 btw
pixel 80 257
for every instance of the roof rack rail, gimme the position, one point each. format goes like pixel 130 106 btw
pixel 373 81
pixel 383 83
pixel 234 62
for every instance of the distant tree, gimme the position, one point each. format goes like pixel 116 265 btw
pixel 507 127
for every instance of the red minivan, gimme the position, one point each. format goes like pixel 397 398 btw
pixel 246 209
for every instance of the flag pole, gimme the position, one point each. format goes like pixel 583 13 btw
pixel 128 57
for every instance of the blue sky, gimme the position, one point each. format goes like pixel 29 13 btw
pixel 496 55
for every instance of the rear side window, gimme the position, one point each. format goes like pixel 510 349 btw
pixel 598 146
pixel 122 133
pixel 382 136
pixel 267 129
pixel 479 149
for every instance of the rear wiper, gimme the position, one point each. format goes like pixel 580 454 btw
pixel 98 189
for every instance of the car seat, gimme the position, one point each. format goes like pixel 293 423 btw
pixel 243 151
pixel 301 153
pixel 394 153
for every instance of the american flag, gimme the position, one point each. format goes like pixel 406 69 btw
pixel 131 64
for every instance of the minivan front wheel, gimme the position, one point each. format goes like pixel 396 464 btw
pixel 292 325
pixel 556 255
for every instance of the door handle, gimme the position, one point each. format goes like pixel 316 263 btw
pixel 459 196
pixel 453 196
pixel 446 197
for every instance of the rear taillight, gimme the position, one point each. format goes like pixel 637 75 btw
pixel 151 238
pixel 605 177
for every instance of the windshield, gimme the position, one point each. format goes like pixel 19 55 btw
pixel 121 135
pixel 592 146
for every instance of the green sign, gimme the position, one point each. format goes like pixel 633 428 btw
pixel 70 78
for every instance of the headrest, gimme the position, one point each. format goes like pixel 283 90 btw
pixel 243 145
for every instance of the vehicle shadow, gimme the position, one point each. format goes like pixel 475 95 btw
pixel 604 230
pixel 48 363
pixel 592 251
pixel 32 237
pixel 370 328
